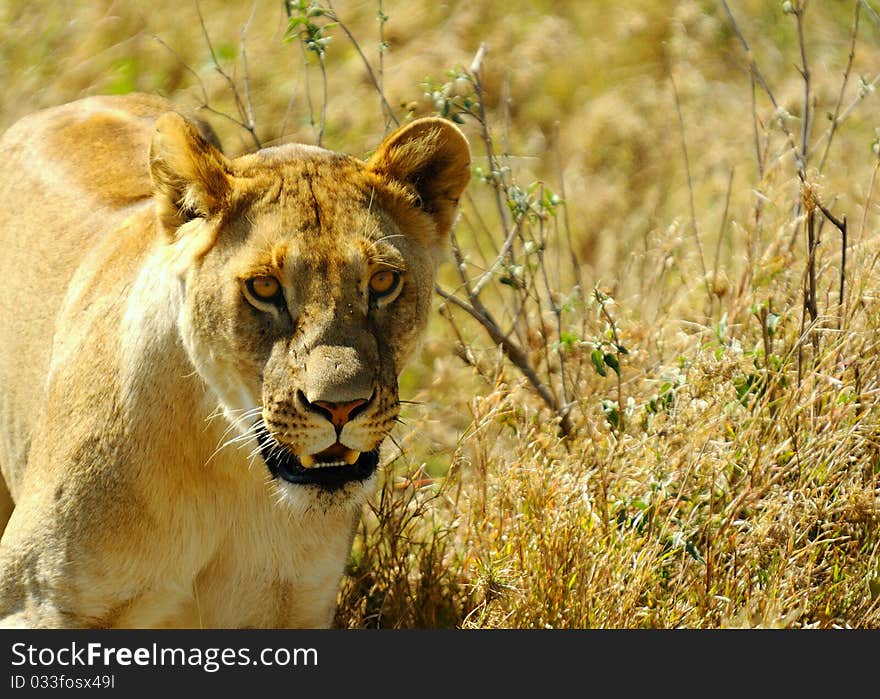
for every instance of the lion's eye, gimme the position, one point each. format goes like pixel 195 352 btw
pixel 384 283
pixel 264 288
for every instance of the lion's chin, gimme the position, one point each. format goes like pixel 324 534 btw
pixel 287 466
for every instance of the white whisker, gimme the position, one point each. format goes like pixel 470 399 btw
pixel 247 430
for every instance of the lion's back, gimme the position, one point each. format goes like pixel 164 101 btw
pixel 95 147
pixel 68 176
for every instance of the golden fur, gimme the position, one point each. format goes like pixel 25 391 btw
pixel 145 389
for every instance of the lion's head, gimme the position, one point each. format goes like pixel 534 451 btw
pixel 307 277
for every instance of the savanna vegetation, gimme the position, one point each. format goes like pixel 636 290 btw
pixel 648 397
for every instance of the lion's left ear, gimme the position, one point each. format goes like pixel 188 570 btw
pixel 432 159
pixel 190 175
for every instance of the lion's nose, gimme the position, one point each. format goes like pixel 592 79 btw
pixel 341 413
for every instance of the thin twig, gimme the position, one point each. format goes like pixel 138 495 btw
pixel 759 77
pixel 287 112
pixel 494 171
pixel 239 104
pixel 687 169
pixel 376 84
pixel 871 11
pixel 867 89
pixel 756 131
pixel 799 8
pixel 205 105
pixel 575 264
pixel 569 241
pixel 840 224
pixel 810 289
pixel 512 351
pixel 324 97
pixel 308 91
pixel 555 308
pixel 723 227
pixel 502 253
pixel 613 326
pixel 244 62
pixel 858 244
pixel 190 70
pixel 387 114
pixel 754 242
pixel 852 53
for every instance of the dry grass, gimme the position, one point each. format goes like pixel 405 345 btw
pixel 729 477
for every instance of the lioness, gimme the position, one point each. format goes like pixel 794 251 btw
pixel 197 377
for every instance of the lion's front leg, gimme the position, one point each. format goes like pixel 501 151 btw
pixel 29 593
pixel 65 563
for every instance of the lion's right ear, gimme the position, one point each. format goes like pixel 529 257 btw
pixel 190 176
pixel 431 158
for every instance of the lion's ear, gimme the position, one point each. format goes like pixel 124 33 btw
pixel 190 176
pixel 432 159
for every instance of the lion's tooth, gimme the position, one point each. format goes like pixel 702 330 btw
pixel 309 460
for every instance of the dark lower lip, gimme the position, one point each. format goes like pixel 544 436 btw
pixel 284 464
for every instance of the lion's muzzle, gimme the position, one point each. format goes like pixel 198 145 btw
pixel 329 475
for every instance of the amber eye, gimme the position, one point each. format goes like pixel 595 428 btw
pixel 384 283
pixel 264 288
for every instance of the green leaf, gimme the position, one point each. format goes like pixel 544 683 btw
pixel 568 339
pixel 721 329
pixel 692 550
pixel 226 52
pixel 612 414
pixel 598 362
pixel 611 360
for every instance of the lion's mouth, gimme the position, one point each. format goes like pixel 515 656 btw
pixel 329 469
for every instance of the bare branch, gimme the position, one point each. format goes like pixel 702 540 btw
pixel 799 8
pixel 723 227
pixel 840 224
pixel 189 69
pixel 512 352
pixel 239 104
pixel 759 77
pixel 687 170
pixel 498 184
pixel 852 54
pixel 387 114
pixel 502 253
pixel 376 84
pixel 245 77
pixel 205 100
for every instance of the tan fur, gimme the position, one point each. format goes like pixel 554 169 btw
pixel 134 366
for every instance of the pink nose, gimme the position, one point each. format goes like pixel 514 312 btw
pixel 340 413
